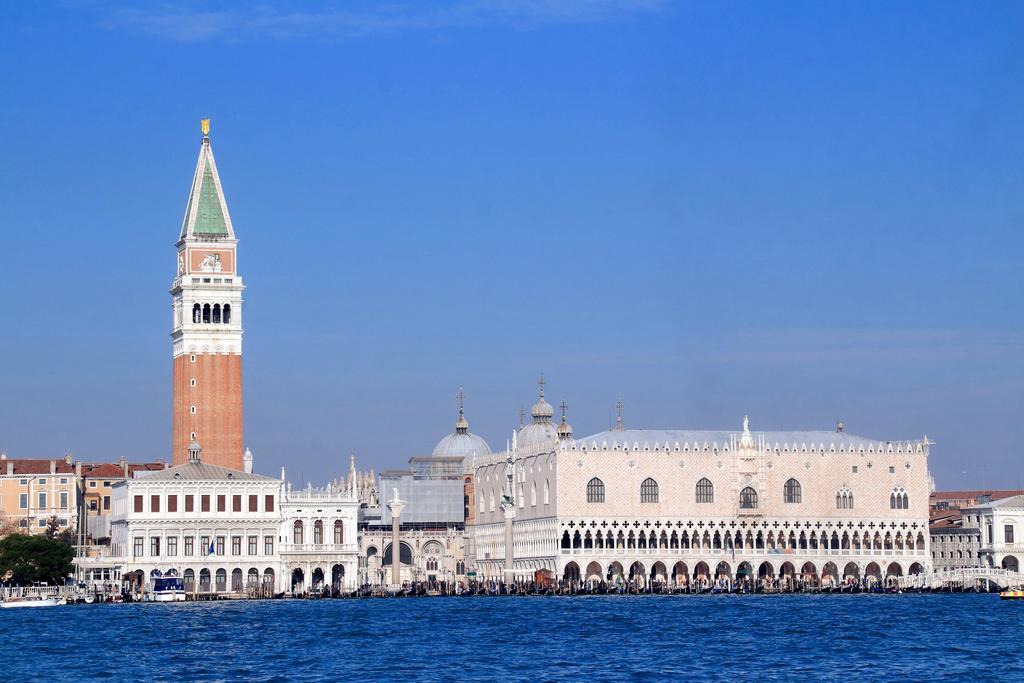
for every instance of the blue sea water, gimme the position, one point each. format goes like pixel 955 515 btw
pixel 754 638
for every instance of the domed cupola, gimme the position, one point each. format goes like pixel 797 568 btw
pixel 564 429
pixel 462 443
pixel 540 435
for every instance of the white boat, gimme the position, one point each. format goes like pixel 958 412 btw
pixel 32 601
pixel 167 589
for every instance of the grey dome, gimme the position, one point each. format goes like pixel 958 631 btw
pixel 462 443
pixel 537 436
pixel 540 435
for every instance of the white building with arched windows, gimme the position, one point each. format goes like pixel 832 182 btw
pixel 226 531
pixel 677 506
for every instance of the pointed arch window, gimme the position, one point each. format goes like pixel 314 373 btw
pixel 547 492
pixel 792 492
pixel 898 499
pixel 339 532
pixel 705 491
pixel 595 491
pixel 533 494
pixel 648 491
pixel 297 533
pixel 748 499
pixel 318 532
pixel 844 499
pixel 227 314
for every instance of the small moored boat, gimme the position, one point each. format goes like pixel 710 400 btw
pixel 32 601
pixel 1012 595
pixel 168 589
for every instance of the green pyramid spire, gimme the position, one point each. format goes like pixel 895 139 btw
pixel 210 214
pixel 206 214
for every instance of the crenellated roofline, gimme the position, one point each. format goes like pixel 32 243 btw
pixel 724 442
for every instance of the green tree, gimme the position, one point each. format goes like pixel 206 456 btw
pixel 35 558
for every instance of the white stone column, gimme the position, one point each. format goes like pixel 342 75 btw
pixel 396 506
pixel 510 514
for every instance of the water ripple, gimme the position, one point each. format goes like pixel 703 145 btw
pixel 609 638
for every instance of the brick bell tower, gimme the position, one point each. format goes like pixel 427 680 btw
pixel 207 333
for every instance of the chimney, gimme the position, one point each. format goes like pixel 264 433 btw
pixel 67 458
pixel 123 464
pixel 3 456
pixel 839 427
pixel 78 469
pixel 10 466
pixel 53 467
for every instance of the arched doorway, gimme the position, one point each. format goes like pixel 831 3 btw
pixel 701 574
pixel 680 573
pixel 594 572
pixel 317 582
pixel 268 579
pixel 337 577
pixel 723 572
pixel 766 571
pixel 638 574
pixel 571 573
pixel 190 581
pixel 809 573
pixel 830 575
pixel 851 572
pixel 298 580
pixel 204 581
pixel 236 580
pixel 893 572
pixel 873 572
pixel 787 570
pixel 253 578
pixel 404 554
pixel 659 573
pixel 744 573
pixel 1010 562
pixel 615 572
pixel 915 568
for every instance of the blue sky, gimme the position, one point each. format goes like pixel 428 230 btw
pixel 798 211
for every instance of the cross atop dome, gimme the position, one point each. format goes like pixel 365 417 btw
pixel 462 424
pixel 564 429
pixel 542 410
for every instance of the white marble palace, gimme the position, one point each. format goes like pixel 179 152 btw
pixel 686 505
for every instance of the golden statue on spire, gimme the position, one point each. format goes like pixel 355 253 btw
pixel 205 125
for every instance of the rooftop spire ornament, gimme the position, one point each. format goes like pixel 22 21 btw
pixel 204 124
pixel 618 415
